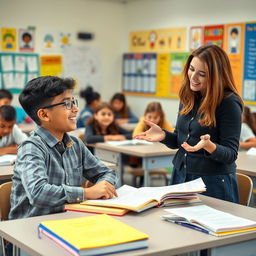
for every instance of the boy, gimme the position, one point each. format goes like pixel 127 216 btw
pixel 10 134
pixel 6 99
pixel 50 164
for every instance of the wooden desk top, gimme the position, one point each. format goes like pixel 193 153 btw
pixel 165 238
pixel 156 149
pixel 246 164
pixel 6 172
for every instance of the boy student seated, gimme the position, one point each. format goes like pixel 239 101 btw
pixel 10 134
pixel 50 164
pixel 102 126
pixel 6 99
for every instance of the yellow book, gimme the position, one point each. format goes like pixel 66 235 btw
pixel 140 199
pixel 94 235
pixel 95 209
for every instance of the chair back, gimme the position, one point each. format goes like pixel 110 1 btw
pixel 245 186
pixel 5 192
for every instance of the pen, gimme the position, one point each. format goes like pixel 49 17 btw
pixel 188 225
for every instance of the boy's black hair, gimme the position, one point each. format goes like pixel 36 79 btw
pixel 89 95
pixel 27 34
pixel 5 94
pixel 41 91
pixel 234 30
pixel 7 113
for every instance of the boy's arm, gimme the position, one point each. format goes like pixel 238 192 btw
pixel 12 149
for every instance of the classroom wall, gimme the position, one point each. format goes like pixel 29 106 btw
pixel 111 23
pixel 151 14
pixel 104 19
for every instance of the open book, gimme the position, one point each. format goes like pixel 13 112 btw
pixel 8 159
pixel 128 142
pixel 209 220
pixel 139 199
pixel 93 235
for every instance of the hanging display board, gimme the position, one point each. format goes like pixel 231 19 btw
pixel 17 69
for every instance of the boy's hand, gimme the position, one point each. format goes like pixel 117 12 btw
pixel 102 189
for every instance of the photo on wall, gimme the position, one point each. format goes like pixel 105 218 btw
pixel 26 40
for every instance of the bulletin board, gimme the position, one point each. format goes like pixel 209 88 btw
pixel 166 50
pixel 17 69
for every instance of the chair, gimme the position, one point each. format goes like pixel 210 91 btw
pixel 139 172
pixel 245 186
pixel 5 192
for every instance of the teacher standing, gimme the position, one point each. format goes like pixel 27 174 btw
pixel 208 125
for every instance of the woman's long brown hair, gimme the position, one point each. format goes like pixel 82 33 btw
pixel 220 83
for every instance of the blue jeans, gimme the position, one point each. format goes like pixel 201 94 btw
pixel 218 186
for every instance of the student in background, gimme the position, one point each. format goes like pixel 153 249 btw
pixel 6 99
pixel 102 126
pixel 50 164
pixel 10 134
pixel 208 125
pixel 247 137
pixel 92 100
pixel 155 114
pixel 122 112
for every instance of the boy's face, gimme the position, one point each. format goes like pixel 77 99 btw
pixel 6 127
pixel 60 119
pixel 5 101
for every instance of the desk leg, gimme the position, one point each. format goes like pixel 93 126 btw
pixel 112 157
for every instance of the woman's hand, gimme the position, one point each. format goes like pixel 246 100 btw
pixel 205 143
pixel 153 134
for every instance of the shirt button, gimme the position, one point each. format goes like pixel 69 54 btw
pixel 192 118
pixel 78 199
pixel 185 166
pixel 67 183
pixel 185 154
pixel 188 136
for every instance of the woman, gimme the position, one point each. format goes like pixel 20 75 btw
pixel 208 125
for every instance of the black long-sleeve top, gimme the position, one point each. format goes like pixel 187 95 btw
pixel 225 135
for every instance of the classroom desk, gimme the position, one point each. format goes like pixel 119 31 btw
pixel 6 172
pixel 246 164
pixel 165 239
pixel 153 156
pixel 128 126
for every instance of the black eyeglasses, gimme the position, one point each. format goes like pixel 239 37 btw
pixel 68 104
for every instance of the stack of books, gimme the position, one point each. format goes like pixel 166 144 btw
pixel 140 199
pixel 93 235
pixel 209 220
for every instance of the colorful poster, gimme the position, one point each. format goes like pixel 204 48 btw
pixel 64 39
pixel 9 39
pixel 234 47
pixel 177 62
pixel 171 39
pixel 50 41
pixel 196 37
pixel 214 35
pixel 249 83
pixel 51 65
pixel 163 74
pixel 26 40
pixel 139 72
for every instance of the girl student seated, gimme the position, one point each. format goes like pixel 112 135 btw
pixel 102 126
pixel 247 136
pixel 155 114
pixel 122 112
pixel 92 100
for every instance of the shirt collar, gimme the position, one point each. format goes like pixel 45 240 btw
pixel 52 140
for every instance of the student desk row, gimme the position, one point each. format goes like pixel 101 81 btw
pixel 246 164
pixel 153 156
pixel 6 172
pixel 164 238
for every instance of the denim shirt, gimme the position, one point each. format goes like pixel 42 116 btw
pixel 48 173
